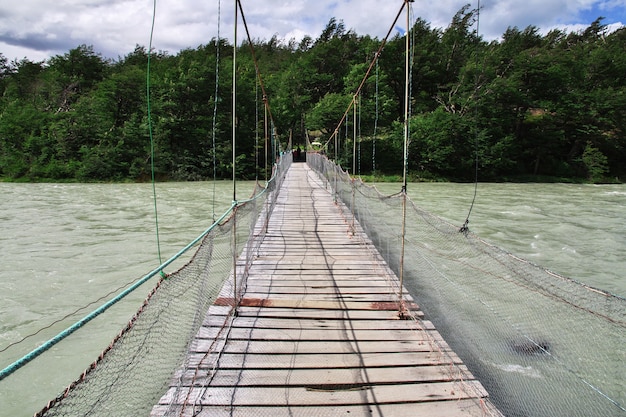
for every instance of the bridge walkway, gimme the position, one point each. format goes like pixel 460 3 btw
pixel 317 331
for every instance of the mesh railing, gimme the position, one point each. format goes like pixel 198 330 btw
pixel 130 376
pixel 541 344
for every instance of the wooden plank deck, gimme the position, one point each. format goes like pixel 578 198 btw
pixel 317 331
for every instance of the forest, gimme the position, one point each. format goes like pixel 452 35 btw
pixel 527 107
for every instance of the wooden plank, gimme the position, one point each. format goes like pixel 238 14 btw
pixel 320 293
pixel 457 408
pixel 317 361
pixel 313 304
pixel 312 275
pixel 339 254
pixel 319 288
pixel 304 313
pixel 350 287
pixel 318 259
pixel 321 395
pixel 312 347
pixel 319 378
pixel 345 334
pixel 317 277
pixel 352 272
pixel 317 323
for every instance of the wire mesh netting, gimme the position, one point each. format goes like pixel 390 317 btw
pixel 541 344
pixel 133 372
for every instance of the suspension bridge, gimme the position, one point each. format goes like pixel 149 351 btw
pixel 292 305
pixel 305 300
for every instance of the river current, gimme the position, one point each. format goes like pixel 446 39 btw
pixel 67 246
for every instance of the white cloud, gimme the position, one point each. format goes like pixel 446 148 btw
pixel 40 28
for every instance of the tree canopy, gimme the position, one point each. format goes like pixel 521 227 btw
pixel 529 106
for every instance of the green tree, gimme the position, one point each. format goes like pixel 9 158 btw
pixel 595 162
pixel 441 144
pixel 327 112
pixel 529 104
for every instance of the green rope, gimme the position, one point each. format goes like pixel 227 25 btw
pixel 159 270
pixel 156 215
pixel 79 324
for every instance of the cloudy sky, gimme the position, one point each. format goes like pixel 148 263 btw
pixel 39 29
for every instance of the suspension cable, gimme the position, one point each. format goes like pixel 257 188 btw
pixel 256 63
pixel 367 73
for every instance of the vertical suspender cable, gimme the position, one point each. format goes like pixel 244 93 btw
pixel 354 155
pixel 234 108
pixel 465 227
pixel 347 132
pixel 336 165
pixel 266 128
pixel 234 128
pixel 274 140
pixel 358 167
pixel 266 150
pixel 215 100
pixel 375 122
pixel 353 135
pixel 406 155
pixel 256 130
pixel 154 196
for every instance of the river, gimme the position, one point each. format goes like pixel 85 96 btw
pixel 66 246
pixel 575 230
